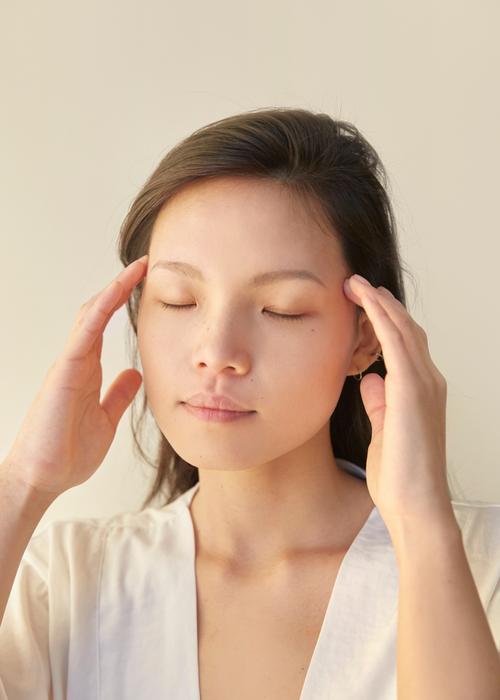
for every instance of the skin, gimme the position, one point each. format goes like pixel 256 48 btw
pixel 261 477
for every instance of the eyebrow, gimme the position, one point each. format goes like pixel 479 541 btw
pixel 260 280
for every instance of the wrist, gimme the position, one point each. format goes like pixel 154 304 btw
pixel 411 536
pixel 20 497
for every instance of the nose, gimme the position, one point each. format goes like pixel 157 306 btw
pixel 223 343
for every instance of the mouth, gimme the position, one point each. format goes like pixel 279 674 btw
pixel 216 415
pixel 218 402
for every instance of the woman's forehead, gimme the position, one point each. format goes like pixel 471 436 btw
pixel 254 217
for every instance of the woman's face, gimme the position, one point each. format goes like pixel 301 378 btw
pixel 221 235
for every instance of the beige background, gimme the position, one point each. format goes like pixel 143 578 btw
pixel 94 93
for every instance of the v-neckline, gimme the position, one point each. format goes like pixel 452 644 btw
pixel 338 592
pixel 307 692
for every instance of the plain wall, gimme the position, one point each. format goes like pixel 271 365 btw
pixel 93 94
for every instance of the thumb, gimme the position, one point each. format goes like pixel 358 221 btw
pixel 373 395
pixel 121 394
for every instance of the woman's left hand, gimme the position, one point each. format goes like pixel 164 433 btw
pixel 406 466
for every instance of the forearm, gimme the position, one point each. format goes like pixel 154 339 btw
pixel 20 513
pixel 445 648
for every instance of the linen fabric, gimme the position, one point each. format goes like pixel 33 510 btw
pixel 105 608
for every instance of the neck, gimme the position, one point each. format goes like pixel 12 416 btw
pixel 259 517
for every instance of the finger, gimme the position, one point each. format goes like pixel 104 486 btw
pixel 99 347
pixel 374 400
pixel 128 281
pixel 396 356
pixel 402 318
pixel 350 293
pixel 121 394
pixel 125 276
pixel 412 334
pixel 121 301
pixel 407 325
pixel 92 320
pixel 122 277
pixel 373 394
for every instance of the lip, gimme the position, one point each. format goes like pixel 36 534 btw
pixel 214 415
pixel 217 402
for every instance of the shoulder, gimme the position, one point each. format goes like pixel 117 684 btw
pixel 85 543
pixel 479 522
pixel 480 526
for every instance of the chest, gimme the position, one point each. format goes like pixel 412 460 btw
pixel 256 636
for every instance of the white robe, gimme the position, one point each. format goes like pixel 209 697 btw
pixel 105 609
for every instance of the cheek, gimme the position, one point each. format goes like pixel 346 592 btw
pixel 158 352
pixel 308 374
pixel 332 351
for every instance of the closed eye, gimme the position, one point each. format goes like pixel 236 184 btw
pixel 284 317
pixel 177 307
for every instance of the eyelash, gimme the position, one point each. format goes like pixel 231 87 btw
pixel 284 317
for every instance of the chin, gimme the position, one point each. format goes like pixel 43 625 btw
pixel 208 463
pixel 205 454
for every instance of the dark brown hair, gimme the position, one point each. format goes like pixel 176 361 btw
pixel 337 175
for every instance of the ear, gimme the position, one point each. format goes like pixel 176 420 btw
pixel 367 346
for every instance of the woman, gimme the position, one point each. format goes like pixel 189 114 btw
pixel 309 546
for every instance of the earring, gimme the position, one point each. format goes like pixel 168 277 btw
pixel 379 356
pixel 358 378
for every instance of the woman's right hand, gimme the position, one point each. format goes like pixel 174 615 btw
pixel 68 429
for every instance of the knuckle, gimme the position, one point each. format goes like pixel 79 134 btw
pixel 423 335
pixel 441 382
pixel 396 335
pixel 86 306
pixel 436 385
pixel 407 323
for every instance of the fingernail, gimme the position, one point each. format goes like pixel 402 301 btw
pixel 143 259
pixel 362 280
pixel 348 289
